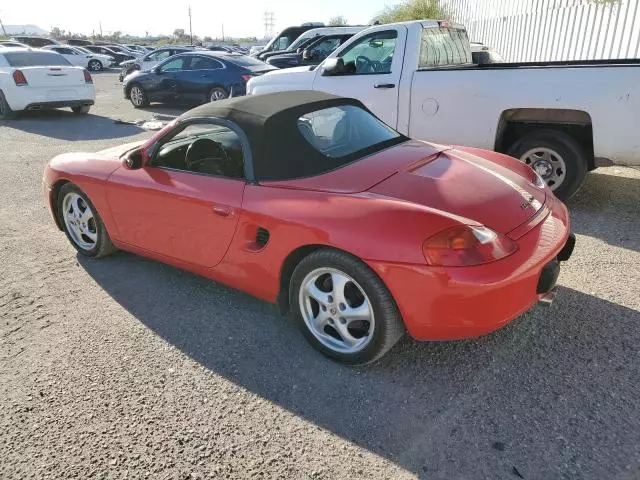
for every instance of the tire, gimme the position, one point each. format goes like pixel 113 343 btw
pixel 97 248
pixel 567 156
pixel 138 101
pixel 385 326
pixel 217 93
pixel 5 110
pixel 83 110
pixel 95 66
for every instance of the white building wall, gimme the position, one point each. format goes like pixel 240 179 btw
pixel 549 30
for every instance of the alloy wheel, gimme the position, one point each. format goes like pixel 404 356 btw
pixel 336 310
pixel 79 221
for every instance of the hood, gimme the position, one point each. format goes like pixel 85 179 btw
pixel 289 71
pixel 296 78
pixel 469 186
pixel 120 149
pixel 126 63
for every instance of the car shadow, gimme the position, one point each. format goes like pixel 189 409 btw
pixel 65 125
pixel 606 207
pixel 549 396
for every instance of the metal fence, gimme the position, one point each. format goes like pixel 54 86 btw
pixel 547 30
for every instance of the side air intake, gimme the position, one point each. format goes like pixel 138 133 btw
pixel 262 236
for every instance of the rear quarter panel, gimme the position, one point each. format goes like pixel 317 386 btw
pixel 463 107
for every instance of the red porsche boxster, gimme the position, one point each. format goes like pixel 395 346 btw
pixel 309 201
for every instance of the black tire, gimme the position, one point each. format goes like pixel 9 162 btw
pixel 103 245
pixel 220 92
pixel 83 110
pixel 144 99
pixel 95 65
pixel 389 326
pixel 573 155
pixel 5 110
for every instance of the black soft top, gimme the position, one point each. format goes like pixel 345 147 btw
pixel 279 150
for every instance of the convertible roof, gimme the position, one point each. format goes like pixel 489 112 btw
pixel 279 149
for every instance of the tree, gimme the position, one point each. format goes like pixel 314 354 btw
pixel 413 10
pixel 178 33
pixel 56 33
pixel 338 21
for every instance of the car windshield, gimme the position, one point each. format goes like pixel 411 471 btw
pixel 36 59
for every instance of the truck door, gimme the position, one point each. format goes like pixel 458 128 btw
pixel 373 66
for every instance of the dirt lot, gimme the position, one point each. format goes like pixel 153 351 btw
pixel 125 368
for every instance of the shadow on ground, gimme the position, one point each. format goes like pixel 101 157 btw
pixel 65 125
pixel 608 207
pixel 549 396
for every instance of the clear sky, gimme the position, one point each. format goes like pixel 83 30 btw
pixel 240 17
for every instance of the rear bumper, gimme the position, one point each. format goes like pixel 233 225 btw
pixel 58 104
pixel 465 302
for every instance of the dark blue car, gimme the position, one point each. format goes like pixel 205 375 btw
pixel 193 78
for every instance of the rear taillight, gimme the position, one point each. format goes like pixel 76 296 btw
pixel 19 78
pixel 87 77
pixel 465 245
pixel 246 78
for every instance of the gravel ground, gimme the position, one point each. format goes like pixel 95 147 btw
pixel 126 368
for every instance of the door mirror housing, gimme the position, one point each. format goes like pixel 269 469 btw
pixel 306 54
pixel 133 159
pixel 333 66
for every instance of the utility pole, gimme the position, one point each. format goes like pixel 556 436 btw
pixel 223 33
pixel 190 31
pixel 268 24
pixel 101 30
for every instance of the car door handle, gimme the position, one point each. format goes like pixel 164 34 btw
pixel 223 210
pixel 384 85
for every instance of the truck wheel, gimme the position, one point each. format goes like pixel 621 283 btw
pixel 556 157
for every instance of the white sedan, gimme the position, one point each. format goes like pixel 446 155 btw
pixel 41 79
pixel 86 59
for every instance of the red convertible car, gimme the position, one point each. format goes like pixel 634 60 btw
pixel 309 201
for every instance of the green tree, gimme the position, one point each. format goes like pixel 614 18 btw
pixel 338 21
pixel 178 33
pixel 413 10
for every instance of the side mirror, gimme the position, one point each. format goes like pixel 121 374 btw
pixel 333 66
pixel 133 160
pixel 156 69
pixel 306 54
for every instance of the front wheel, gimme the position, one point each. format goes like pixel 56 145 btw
pixel 95 66
pixel 343 308
pixel 556 157
pixel 138 97
pixel 81 222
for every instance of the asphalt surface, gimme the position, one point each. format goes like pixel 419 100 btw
pixel 126 368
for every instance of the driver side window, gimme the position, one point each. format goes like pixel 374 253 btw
pixel 373 54
pixel 174 65
pixel 202 148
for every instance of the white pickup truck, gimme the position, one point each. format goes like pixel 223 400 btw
pixel 562 118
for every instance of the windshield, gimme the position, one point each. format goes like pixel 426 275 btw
pixel 302 42
pixel 36 59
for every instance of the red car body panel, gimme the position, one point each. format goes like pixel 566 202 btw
pixel 380 209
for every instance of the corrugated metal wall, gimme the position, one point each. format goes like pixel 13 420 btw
pixel 544 30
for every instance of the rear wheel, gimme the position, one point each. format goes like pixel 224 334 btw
pixel 81 222
pixel 138 96
pixel 5 110
pixel 95 65
pixel 343 308
pixel 556 157
pixel 83 110
pixel 217 93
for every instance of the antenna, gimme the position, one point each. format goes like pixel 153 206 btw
pixel 269 23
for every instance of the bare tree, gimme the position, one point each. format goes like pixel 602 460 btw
pixel 338 21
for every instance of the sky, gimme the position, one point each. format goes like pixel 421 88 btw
pixel 240 17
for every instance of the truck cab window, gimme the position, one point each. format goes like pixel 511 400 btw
pixel 373 54
pixel 444 46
